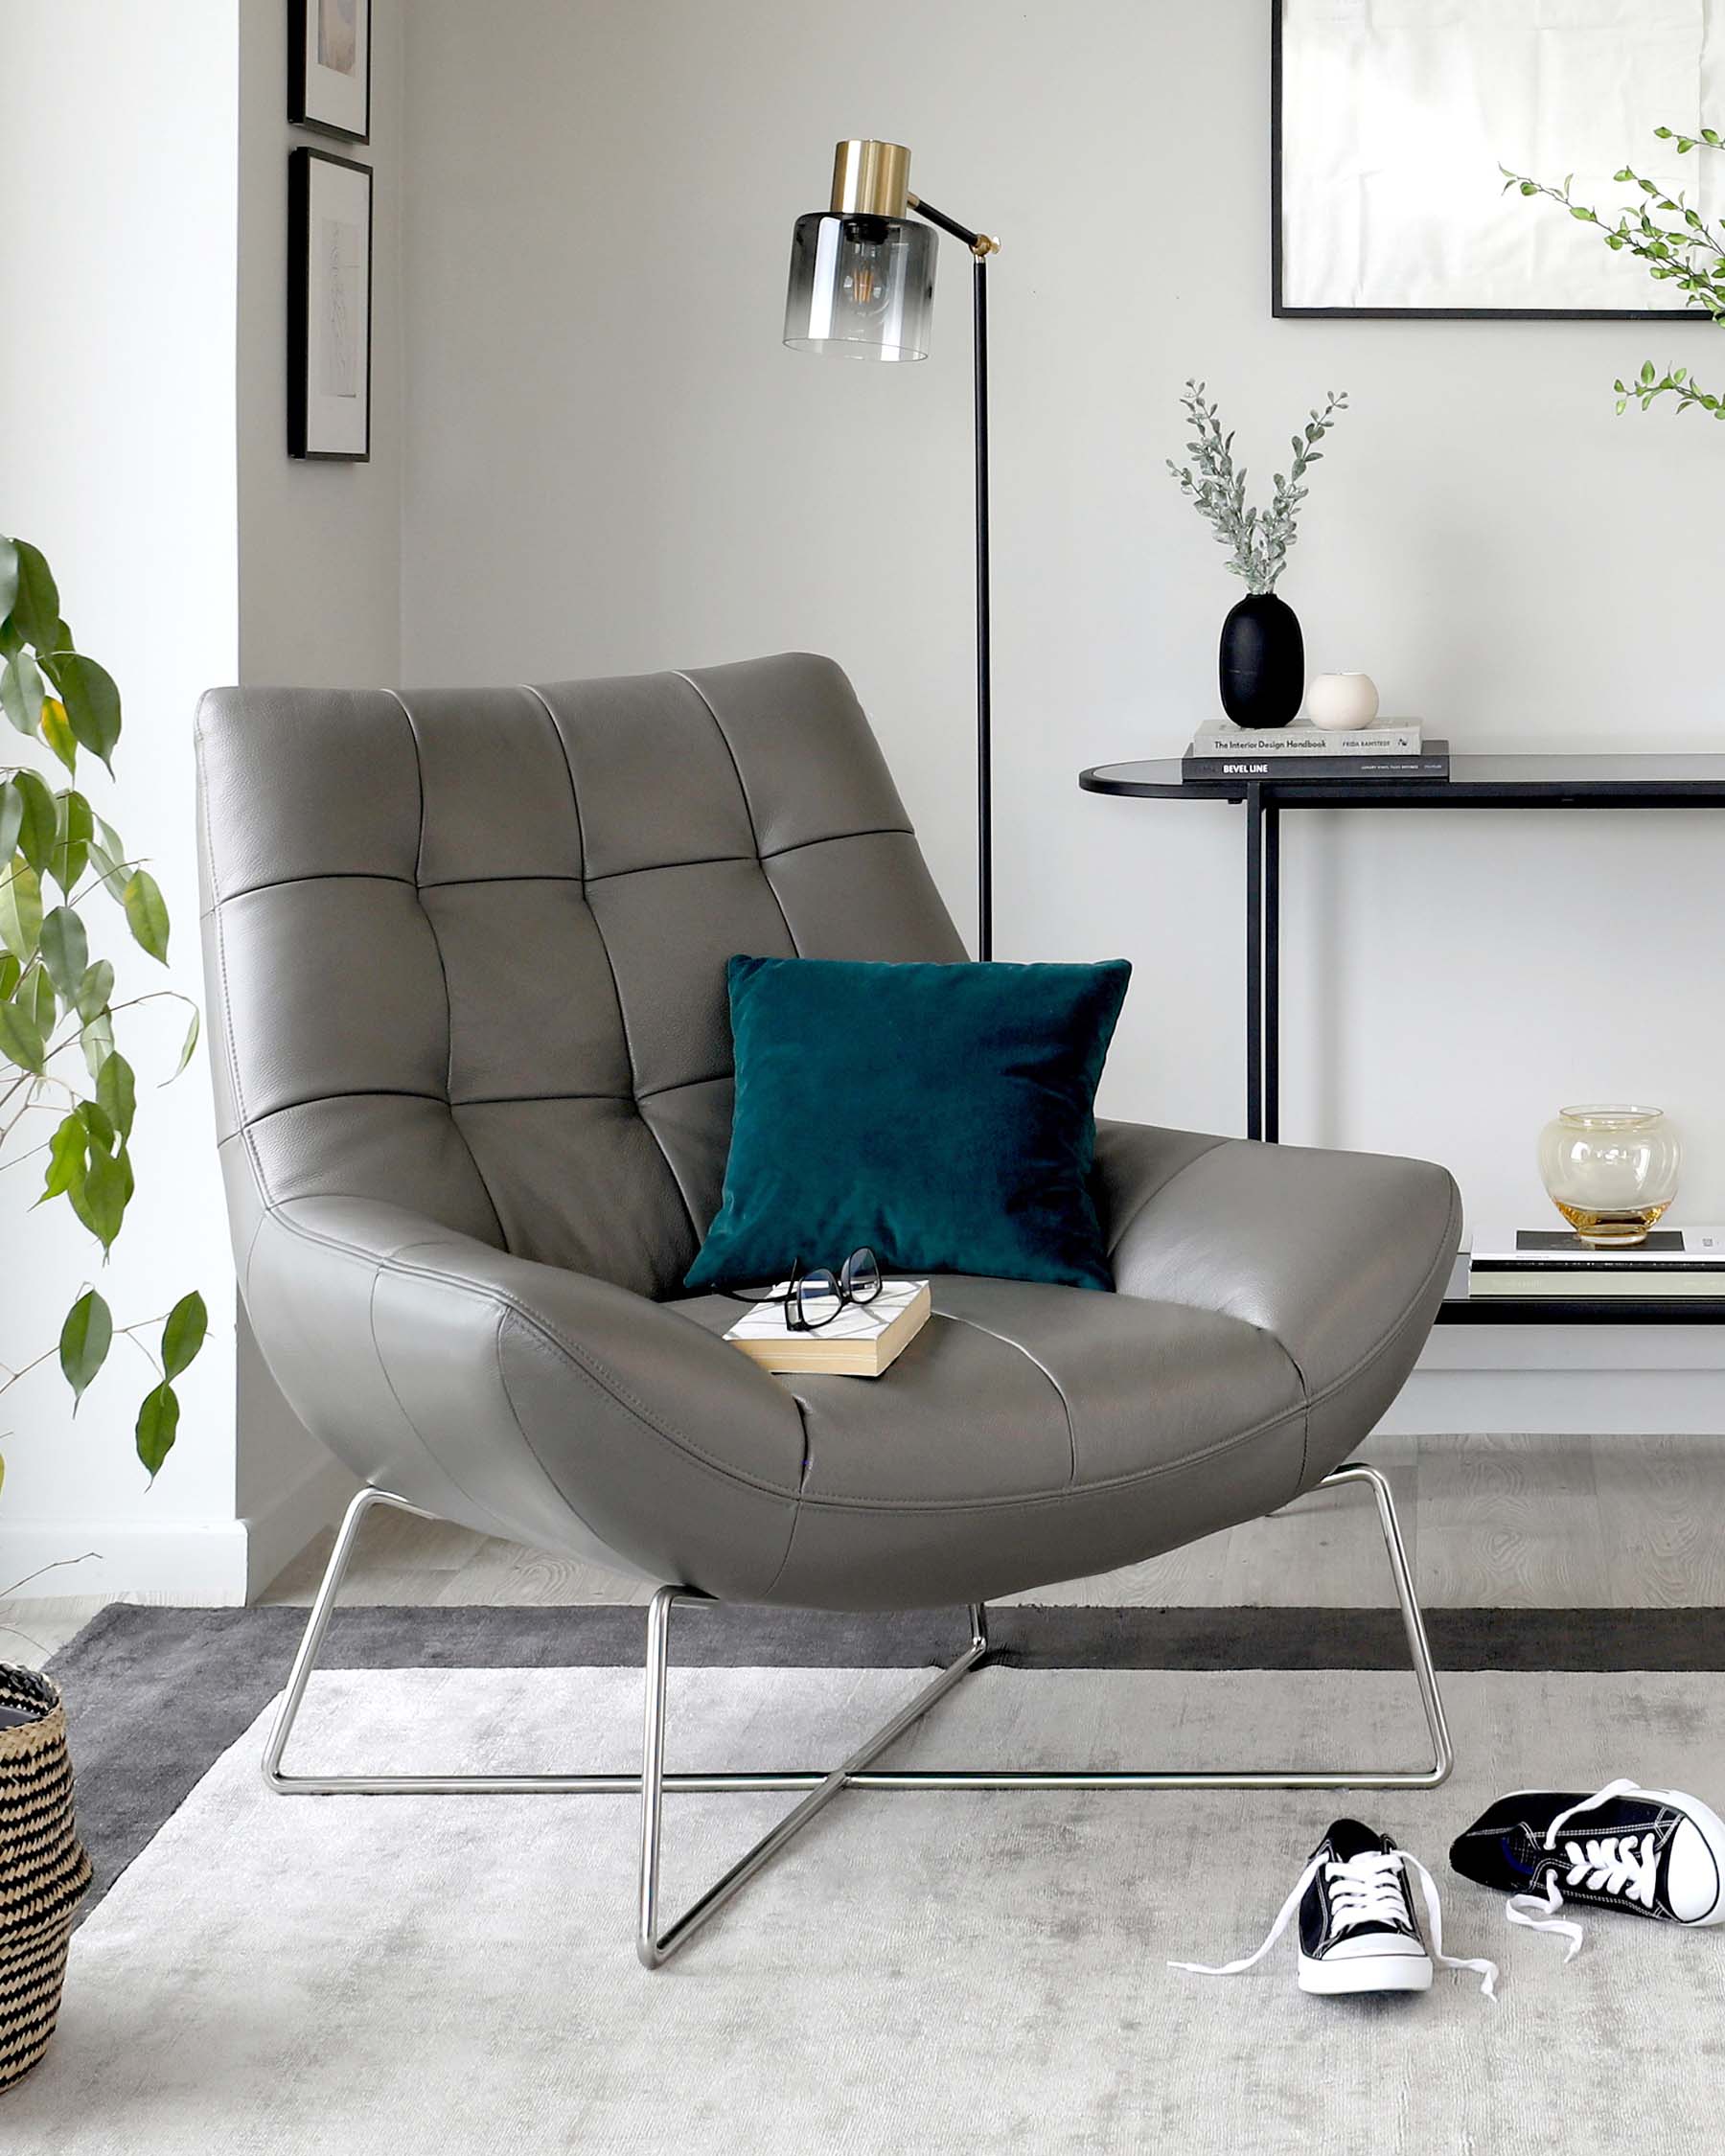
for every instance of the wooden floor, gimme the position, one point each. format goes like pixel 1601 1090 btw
pixel 1496 1521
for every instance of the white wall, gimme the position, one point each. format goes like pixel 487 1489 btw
pixel 144 424
pixel 319 587
pixel 117 396
pixel 612 464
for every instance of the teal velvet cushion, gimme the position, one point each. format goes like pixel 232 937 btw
pixel 944 1115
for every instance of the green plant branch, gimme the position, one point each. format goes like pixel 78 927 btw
pixel 24 1369
pixel 30 1106
pixel 74 1039
pixel 126 1332
pixel 54 1565
pixel 99 881
pixel 18 1160
pixel 1689 253
pixel 16 1632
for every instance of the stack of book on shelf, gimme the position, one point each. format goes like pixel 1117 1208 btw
pixel 1532 1261
pixel 1396 750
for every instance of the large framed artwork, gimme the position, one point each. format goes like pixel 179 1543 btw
pixel 329 306
pixel 329 66
pixel 1390 121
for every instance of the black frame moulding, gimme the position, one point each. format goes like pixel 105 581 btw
pixel 1475 782
pixel 298 13
pixel 299 301
pixel 1411 313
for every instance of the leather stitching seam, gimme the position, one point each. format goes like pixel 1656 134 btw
pixel 1139 1211
pixel 587 1364
pixel 1036 1362
pixel 218 931
pixel 443 971
pixel 547 1337
pixel 747 809
pixel 634 1068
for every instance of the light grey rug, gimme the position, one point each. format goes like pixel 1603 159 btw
pixel 922 1973
pixel 156 1695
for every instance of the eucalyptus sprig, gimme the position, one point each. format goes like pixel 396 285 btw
pixel 1690 254
pixel 1258 541
pixel 57 1000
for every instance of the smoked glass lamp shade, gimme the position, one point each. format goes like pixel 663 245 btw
pixel 861 287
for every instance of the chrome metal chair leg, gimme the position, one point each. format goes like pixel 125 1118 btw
pixel 857 1771
pixel 654 1947
pixel 323 1608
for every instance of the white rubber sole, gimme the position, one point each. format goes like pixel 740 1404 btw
pixel 1713 1832
pixel 1367 1972
pixel 1709 1823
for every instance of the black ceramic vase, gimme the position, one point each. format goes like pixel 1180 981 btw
pixel 1263 661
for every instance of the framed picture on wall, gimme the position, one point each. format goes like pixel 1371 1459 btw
pixel 1390 124
pixel 329 306
pixel 329 66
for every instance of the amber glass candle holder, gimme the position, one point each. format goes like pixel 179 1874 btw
pixel 1610 1170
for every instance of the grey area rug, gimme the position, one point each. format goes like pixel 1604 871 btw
pixel 156 1695
pixel 919 1972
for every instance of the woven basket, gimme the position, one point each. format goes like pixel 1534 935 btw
pixel 43 1869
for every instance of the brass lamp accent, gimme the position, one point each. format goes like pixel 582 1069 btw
pixel 870 179
pixel 863 287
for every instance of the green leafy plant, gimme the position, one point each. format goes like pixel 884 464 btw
pixel 1258 541
pixel 1688 252
pixel 68 1097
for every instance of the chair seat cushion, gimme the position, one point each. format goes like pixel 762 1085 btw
pixel 1016 1389
pixel 1033 1433
pixel 1272 1303
pixel 942 1115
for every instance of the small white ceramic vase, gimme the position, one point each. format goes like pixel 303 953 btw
pixel 1340 704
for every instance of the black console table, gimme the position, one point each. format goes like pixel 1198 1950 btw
pixel 1475 782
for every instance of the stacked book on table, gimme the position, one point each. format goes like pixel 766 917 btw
pixel 1394 750
pixel 1677 1262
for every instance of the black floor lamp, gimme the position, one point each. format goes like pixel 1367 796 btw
pixel 863 287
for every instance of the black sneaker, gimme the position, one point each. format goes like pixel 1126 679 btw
pixel 1654 1852
pixel 1358 1931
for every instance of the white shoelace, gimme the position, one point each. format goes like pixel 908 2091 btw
pixel 1615 1863
pixel 1363 1889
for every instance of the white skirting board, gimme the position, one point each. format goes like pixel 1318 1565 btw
pixel 215 1564
pixel 192 1562
pixel 1551 1380
pixel 276 1534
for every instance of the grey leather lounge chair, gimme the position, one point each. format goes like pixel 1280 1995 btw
pixel 466 954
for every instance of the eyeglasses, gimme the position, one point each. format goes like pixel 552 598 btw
pixel 815 1297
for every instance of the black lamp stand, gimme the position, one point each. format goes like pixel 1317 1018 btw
pixel 981 247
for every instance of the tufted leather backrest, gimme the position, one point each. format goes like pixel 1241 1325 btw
pixel 466 947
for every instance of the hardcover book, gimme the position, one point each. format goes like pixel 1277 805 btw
pixel 1584 1282
pixel 1401 738
pixel 863 1341
pixel 1541 1250
pixel 1433 763
pixel 1529 1261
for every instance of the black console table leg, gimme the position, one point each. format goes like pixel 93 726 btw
pixel 1254 962
pixel 1272 966
pixel 1263 967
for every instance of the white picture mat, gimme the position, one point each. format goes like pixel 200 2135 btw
pixel 1396 114
pixel 338 309
pixel 338 32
